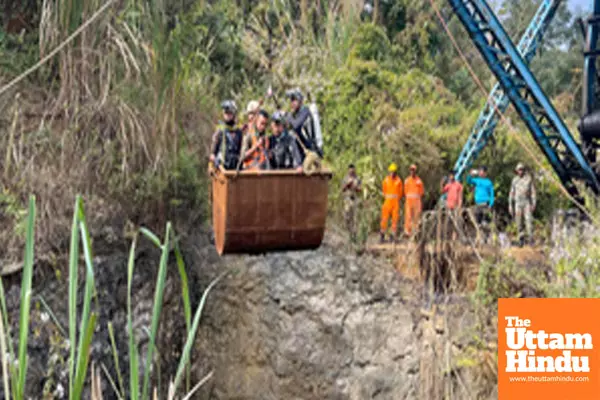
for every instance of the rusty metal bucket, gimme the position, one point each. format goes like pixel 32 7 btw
pixel 262 211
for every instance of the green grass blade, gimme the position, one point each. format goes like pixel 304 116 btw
pixel 185 291
pixel 185 294
pixel 133 353
pixel 4 355
pixel 158 299
pixel 84 358
pixel 26 299
pixel 150 235
pixel 11 350
pixel 157 355
pixel 86 319
pixel 115 351
pixel 73 271
pixel 187 349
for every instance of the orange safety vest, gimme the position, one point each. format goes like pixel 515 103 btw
pixel 413 188
pixel 258 156
pixel 392 188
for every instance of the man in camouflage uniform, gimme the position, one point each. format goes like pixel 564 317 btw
pixel 351 187
pixel 521 202
pixel 227 140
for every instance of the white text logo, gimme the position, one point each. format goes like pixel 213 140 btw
pixel 524 344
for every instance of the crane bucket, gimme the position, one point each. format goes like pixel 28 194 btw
pixel 261 211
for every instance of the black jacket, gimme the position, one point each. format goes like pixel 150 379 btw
pixel 284 152
pixel 304 125
pixel 228 156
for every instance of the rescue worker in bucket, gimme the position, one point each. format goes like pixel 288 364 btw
pixel 227 140
pixel 255 157
pixel 284 152
pixel 302 122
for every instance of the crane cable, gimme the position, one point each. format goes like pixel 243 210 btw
pixel 511 129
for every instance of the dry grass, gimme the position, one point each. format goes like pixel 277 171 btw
pixel 449 247
pixel 110 130
pixel 459 320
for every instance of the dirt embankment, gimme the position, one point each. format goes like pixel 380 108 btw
pixel 299 325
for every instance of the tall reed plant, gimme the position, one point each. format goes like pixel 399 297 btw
pixel 81 330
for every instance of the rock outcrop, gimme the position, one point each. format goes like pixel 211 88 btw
pixel 308 325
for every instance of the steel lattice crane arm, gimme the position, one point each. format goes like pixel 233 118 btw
pixel 589 126
pixel 518 83
pixel 488 118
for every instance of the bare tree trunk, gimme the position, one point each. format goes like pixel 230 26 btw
pixel 376 12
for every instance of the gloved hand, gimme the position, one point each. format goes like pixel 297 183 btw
pixel 211 168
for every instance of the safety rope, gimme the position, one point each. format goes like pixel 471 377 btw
pixel 511 129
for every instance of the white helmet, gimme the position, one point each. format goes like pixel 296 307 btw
pixel 252 106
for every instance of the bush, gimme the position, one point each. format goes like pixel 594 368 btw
pixel 374 116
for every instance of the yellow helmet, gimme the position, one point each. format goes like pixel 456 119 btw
pixel 393 167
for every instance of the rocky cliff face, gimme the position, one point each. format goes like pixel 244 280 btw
pixel 308 325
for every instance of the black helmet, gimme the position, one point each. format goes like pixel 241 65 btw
pixel 294 94
pixel 278 116
pixel 229 105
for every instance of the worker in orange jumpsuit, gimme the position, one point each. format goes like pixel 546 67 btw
pixel 392 192
pixel 413 193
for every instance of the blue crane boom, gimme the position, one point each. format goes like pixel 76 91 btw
pixel 589 126
pixel 520 85
pixel 488 118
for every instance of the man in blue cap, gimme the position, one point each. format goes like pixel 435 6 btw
pixel 484 194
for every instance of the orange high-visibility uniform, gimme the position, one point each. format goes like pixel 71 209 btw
pixel 258 158
pixel 413 192
pixel 392 191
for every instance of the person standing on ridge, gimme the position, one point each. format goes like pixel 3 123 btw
pixel 351 188
pixel 227 140
pixel 484 195
pixel 454 199
pixel 392 193
pixel 521 202
pixel 453 190
pixel 413 193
